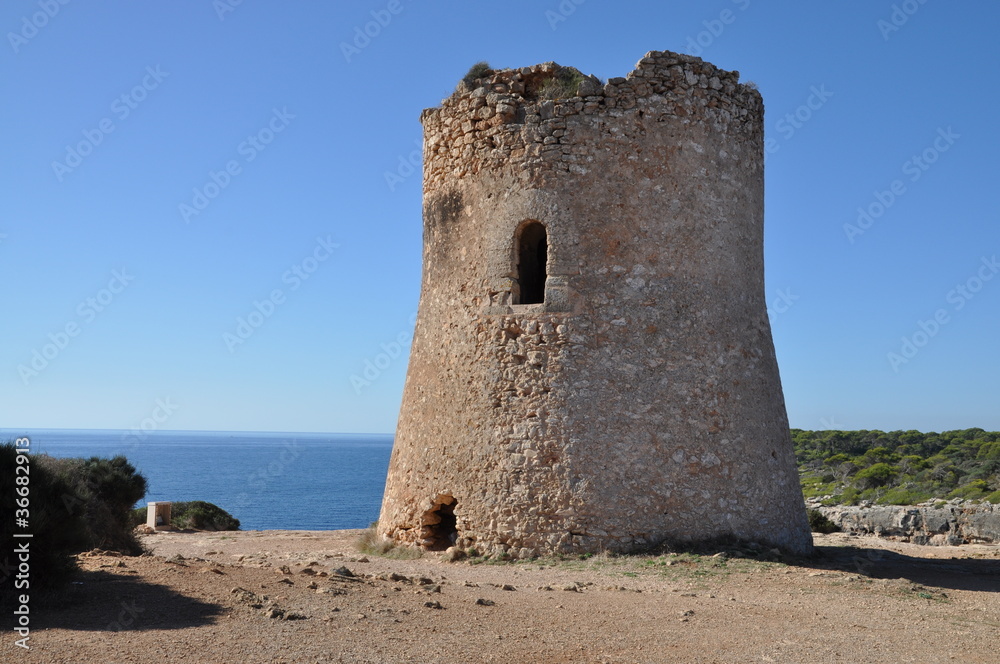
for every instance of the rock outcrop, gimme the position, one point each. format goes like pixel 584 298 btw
pixel 950 524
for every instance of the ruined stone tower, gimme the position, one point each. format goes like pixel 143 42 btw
pixel 592 367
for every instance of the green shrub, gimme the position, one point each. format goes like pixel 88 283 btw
pixel 880 454
pixel 974 490
pixel 565 83
pixel 836 460
pixel 901 496
pixel 993 498
pixel 814 487
pixel 476 71
pixel 199 515
pixel 912 463
pixel 58 531
pixel 871 495
pixel 989 451
pixel 876 475
pixel 818 523
pixel 102 491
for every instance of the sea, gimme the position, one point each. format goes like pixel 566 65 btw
pixel 269 481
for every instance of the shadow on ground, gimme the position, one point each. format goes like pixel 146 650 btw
pixel 102 601
pixel 976 575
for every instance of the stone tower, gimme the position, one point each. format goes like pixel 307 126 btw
pixel 592 367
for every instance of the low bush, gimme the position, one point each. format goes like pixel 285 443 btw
pixel 476 71
pixel 55 523
pixel 901 496
pixel 565 83
pixel 194 514
pixel 370 543
pixel 974 490
pixel 71 505
pixel 102 491
pixel 876 475
pixel 818 523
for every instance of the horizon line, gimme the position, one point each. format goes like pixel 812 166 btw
pixel 6 430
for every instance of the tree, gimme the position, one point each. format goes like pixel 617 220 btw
pixel 874 476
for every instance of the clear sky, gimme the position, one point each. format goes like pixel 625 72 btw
pixel 170 168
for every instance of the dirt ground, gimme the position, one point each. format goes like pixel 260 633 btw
pixel 277 596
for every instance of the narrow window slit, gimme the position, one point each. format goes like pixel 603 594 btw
pixel 532 255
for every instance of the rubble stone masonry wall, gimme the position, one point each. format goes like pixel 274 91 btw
pixel 640 401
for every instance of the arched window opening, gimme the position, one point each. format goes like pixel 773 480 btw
pixel 532 253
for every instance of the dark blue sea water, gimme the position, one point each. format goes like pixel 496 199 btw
pixel 266 480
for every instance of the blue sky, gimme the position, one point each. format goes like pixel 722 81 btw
pixel 173 167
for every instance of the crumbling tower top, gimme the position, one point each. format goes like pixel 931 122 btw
pixel 496 119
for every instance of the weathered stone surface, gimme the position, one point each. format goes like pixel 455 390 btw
pixel 640 401
pixel 950 524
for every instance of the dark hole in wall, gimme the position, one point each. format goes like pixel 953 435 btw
pixel 532 255
pixel 443 534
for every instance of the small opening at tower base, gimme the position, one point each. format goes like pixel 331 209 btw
pixel 440 526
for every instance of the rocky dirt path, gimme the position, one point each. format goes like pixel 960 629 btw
pixel 277 596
